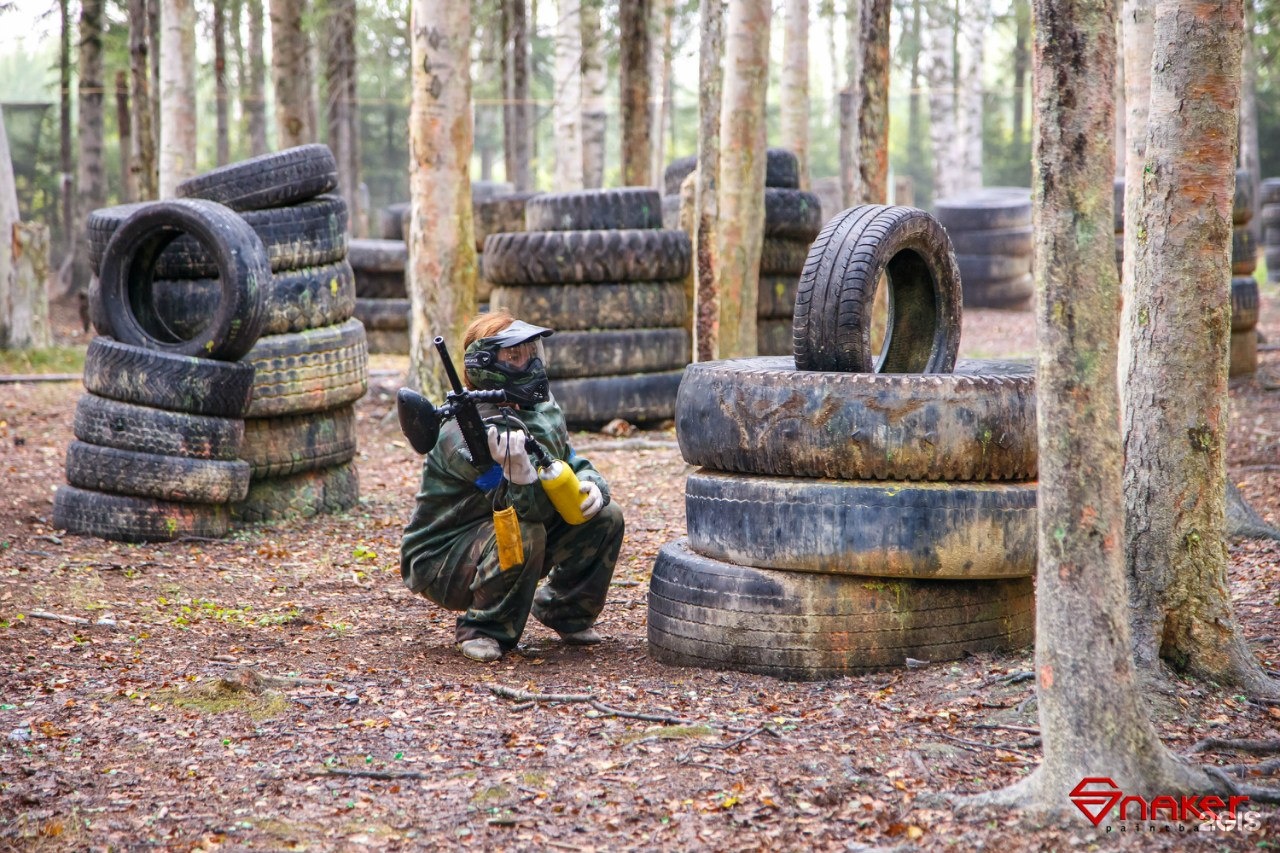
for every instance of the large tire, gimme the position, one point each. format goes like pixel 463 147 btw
pixel 792 214
pixel 1269 192
pixel 126 426
pixel 569 257
pixel 782 256
pixel 881 528
pixel 762 416
pixel 781 169
pixel 485 190
pixel 126 287
pixel 279 179
pixel 500 214
pixel 1244 353
pixel 671 212
pixel 309 371
pixel 773 336
pixel 595 210
pixel 279 447
pixel 323 492
pixel 837 290
pixel 568 307
pixel 985 209
pixel 383 314
pixel 576 355
pixel 395 220
pixel 984 268
pixel 1015 242
pixel 178 383
pixel 149 475
pixel 381 285
pixel 1244 303
pixel 1013 294
pixel 126 518
pixel 1244 251
pixel 638 398
pixel 776 298
pixel 313 233
pixel 297 300
pixel 378 255
pixel 796 625
pixel 1242 206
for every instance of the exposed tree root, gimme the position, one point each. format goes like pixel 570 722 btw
pixel 1242 521
pixel 1253 747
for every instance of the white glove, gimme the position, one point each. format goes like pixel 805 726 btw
pixel 507 449
pixel 593 501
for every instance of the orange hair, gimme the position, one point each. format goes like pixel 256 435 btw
pixel 483 326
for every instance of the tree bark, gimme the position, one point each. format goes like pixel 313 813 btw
pixel 29 299
pixel 873 112
pixel 1177 327
pixel 1091 719
pixel 177 95
pixel 633 61
pixel 594 110
pixel 442 270
pixel 342 114
pixel 291 74
pixel 1250 151
pixel 66 181
pixel 851 108
pixel 660 75
pixel 915 140
pixel 794 102
pixel 1021 64
pixel 706 307
pixel 128 179
pixel 222 144
pixel 91 183
pixel 939 70
pixel 972 34
pixel 567 109
pixel 518 112
pixel 155 35
pixel 143 167
pixel 740 233
pixel 254 94
pixel 1136 29
pixel 9 217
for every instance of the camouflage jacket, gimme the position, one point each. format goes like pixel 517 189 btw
pixel 450 506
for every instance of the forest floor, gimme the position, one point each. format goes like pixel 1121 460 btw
pixel 282 690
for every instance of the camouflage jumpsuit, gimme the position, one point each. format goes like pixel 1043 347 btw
pixel 449 553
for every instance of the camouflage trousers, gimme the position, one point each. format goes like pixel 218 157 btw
pixel 576 560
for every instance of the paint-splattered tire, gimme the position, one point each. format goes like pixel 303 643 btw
pixel 179 383
pixel 278 179
pixel 126 518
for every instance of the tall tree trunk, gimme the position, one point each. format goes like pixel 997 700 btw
pixel 1138 17
pixel 851 108
pixel 442 273
pixel 1091 719
pixel 143 166
pixel 873 112
pixel 633 61
pixel 91 184
pixel 1177 327
pixel 594 109
pixel 794 102
pixel 1250 152
pixel 255 94
pixel 660 76
pixel 518 112
pixel 9 216
pixel 706 307
pixel 242 74
pixel 740 233
pixel 222 151
pixel 155 35
pixel 177 94
pixel 567 108
pixel 939 70
pixel 66 181
pixel 128 179
pixel 342 99
pixel 1021 64
pixel 915 141
pixel 972 33
pixel 291 73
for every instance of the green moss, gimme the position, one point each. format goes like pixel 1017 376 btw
pixel 50 360
pixel 221 696
pixel 492 794
pixel 669 733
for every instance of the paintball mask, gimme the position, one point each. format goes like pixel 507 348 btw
pixel 521 372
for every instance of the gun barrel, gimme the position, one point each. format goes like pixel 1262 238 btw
pixel 448 364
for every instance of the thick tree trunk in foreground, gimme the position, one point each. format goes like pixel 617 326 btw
pixel 177 94
pixel 851 108
pixel 794 102
pixel 706 308
pixel 1136 23
pixel 1177 327
pixel 939 69
pixel 91 183
pixel 221 99
pixel 740 232
pixel 633 62
pixel 1091 720
pixel 594 108
pixel 973 29
pixel 567 109
pixel 254 94
pixel 291 74
pixel 873 113
pixel 442 279
pixel 342 107
pixel 143 161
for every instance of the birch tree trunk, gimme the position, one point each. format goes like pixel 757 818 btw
pixel 939 71
pixel 873 111
pixel 91 183
pixel 567 109
pixel 706 307
pixel 9 216
pixel 220 96
pixel 143 166
pixel 974 22
pixel 1250 152
pixel 1091 719
pixel 255 93
pixel 740 233
pixel 633 62
pixel 1137 20
pixel 124 122
pixel 794 102
pixel 291 74
pixel 851 108
pixel 342 113
pixel 442 257
pixel 660 75
pixel 177 94
pixel 594 108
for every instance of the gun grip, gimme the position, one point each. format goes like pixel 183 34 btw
pixel 419 420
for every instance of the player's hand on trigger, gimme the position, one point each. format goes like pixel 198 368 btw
pixel 507 449
pixel 593 500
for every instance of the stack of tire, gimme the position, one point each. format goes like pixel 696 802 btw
pixel 160 433
pixel 990 230
pixel 395 217
pixel 1269 203
pixel 598 268
pixel 792 218
pixel 1244 287
pixel 843 521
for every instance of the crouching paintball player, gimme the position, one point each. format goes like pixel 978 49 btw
pixel 498 512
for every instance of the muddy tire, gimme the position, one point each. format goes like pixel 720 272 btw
pixel 378 255
pixel 1244 251
pixel 149 475
pixel 1269 192
pixel 569 257
pixel 762 416
pixel 126 518
pixel 1013 294
pixel 792 214
pixel 781 256
pixel 985 209
pixel 279 447
pixel 610 352
pixel 381 285
pixel 595 210
pixel 774 337
pixel 327 491
pixel 388 341
pixel 1242 207
pixel 837 289
pixel 638 398
pixel 309 371
pixel 1244 353
pixel 1244 303
pixel 569 307
pixel 395 220
pixel 1014 242
pixel 801 626
pixel 500 214
pixel 383 314
pixel 279 179
pixel 776 299
pixel 984 268
pixel 125 426
pixel 781 169
pixel 178 383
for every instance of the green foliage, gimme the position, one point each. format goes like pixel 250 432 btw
pixel 51 360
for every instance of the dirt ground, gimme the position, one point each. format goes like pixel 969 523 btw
pixel 281 689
